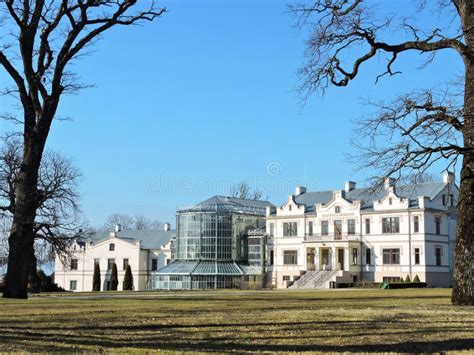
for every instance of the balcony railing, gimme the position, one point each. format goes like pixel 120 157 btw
pixel 332 237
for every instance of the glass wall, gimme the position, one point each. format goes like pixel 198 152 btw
pixel 214 236
pixel 197 282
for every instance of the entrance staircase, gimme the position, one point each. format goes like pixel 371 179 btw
pixel 316 279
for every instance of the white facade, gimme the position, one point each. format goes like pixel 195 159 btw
pixel 353 235
pixel 145 251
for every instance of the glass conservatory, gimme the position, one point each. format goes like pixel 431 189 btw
pixel 213 248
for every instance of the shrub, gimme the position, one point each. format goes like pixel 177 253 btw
pixel 96 278
pixel 401 280
pixel 114 278
pixel 128 279
pixel 34 281
pixel 47 284
pixel 408 279
pixel 416 279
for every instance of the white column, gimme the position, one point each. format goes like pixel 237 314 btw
pixel 317 262
pixel 333 258
pixel 347 256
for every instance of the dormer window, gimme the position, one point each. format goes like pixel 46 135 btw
pixel 337 209
pixel 111 247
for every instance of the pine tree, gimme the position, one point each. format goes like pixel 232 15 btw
pixel 408 279
pixel 96 278
pixel 128 279
pixel 114 278
pixel 416 279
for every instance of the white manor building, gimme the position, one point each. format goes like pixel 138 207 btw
pixel 315 240
pixel 146 251
pixel 358 234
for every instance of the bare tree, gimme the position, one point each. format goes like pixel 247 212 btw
pixel 58 220
pixel 421 127
pixel 417 178
pixel 47 37
pixel 243 190
pixel 139 222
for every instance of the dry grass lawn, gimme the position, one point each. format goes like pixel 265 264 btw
pixel 239 321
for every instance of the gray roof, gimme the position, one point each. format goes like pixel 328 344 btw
pixel 194 267
pixel 368 195
pixel 149 239
pixel 231 204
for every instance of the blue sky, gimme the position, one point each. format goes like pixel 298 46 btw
pixel 205 97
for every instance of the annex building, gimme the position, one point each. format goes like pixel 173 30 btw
pixel 146 251
pixel 360 234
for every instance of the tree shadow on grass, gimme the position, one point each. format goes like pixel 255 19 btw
pixel 165 342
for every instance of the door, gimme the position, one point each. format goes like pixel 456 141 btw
pixel 338 229
pixel 325 259
pixel 310 258
pixel 340 259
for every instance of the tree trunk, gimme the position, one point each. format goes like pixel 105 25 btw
pixel 463 278
pixel 22 235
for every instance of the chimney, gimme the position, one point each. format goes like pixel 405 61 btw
pixel 300 190
pixel 118 228
pixel 349 186
pixel 448 177
pixel 389 182
pixel 166 227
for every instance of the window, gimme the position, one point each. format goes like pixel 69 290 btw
pixel 324 227
pixel 271 257
pixel 290 257
pixel 367 226
pixel 73 285
pixel 451 198
pixel 354 256
pixel 168 261
pixel 286 278
pixel 73 264
pixel 125 264
pixel 417 256
pixel 444 200
pixel 111 247
pixel 310 227
pixel 416 224
pixel 97 262
pixel 289 207
pixel 351 226
pixel 290 229
pixel 368 257
pixel 154 264
pixel 438 224
pixel 391 256
pixel 337 209
pixel 390 201
pixel 272 229
pixel 110 263
pixel 391 225
pixel 438 256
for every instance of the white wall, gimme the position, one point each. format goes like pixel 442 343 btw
pixel 138 259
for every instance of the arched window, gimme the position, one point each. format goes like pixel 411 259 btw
pixel 338 209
